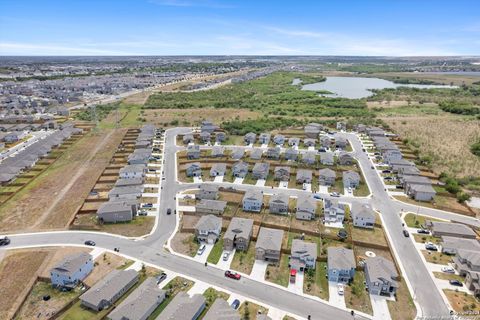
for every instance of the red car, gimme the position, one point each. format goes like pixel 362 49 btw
pixel 233 275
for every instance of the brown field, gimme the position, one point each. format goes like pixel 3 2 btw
pixel 462 302
pixel 446 139
pixel 185 243
pixel 104 264
pixel 53 198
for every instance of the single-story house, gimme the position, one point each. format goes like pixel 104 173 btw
pixel 211 206
pixel 218 169
pixel 440 228
pixel 183 306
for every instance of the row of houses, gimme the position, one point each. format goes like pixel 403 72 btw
pixel 123 198
pixel 26 158
pixel 310 141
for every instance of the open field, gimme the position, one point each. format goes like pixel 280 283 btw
pixel 462 302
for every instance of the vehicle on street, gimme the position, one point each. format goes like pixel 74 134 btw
pixel 456 283
pixel 405 233
pixel 372 167
pixel 448 269
pixel 201 249
pixel 232 275
pixel 4 241
pixel 235 304
pixel 169 211
pixel 349 189
pixel 386 171
pixel 225 256
pixel 161 277
pixel 90 243
pixel 335 194
pixel 340 289
pixel 423 231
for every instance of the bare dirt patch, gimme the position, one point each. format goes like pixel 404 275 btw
pixel 103 265
pixel 185 243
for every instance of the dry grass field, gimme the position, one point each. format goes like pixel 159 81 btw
pixel 446 139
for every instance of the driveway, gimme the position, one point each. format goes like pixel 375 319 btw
pixel 218 179
pixel 338 225
pixel 199 287
pixel 225 265
pixel 334 298
pixel 322 189
pixel 260 183
pixel 379 307
pixel 308 187
pixel 197 180
pixel 203 258
pixel 297 287
pixel 238 180
pixel 258 270
pixel 283 184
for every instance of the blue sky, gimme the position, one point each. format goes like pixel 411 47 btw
pixel 209 27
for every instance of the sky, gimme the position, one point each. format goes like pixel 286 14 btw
pixel 262 27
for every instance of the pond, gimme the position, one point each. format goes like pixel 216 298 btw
pixel 358 87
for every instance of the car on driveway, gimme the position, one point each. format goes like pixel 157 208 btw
pixel 335 194
pixel 161 277
pixel 4 241
pixel 405 233
pixel 423 231
pixel 456 283
pixel 430 246
pixel 235 304
pixel 340 289
pixel 147 205
pixel 448 269
pixel 225 256
pixel 90 243
pixel 232 275
pixel 201 249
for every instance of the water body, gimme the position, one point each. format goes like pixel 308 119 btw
pixel 358 87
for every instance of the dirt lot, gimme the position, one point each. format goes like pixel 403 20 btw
pixel 53 198
pixel 184 243
pixel 103 265
pixel 462 302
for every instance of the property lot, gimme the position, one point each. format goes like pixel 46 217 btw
pixel 185 243
pixel 243 260
pixel 316 282
pixel 356 297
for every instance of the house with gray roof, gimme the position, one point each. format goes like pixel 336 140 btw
pixel 126 192
pixel 304 176
pixel 71 270
pixel 238 234
pixel 217 151
pixel 205 136
pixel 281 173
pixel 221 310
pixel 193 169
pixel 193 151
pixel 279 139
pixel 218 169
pixel 306 207
pixel 220 136
pixel 260 170
pixel 264 138
pixel 381 276
pixel 362 215
pixel 256 154
pixel 421 192
pixel 183 306
pixel 450 245
pixel 310 157
pixel 208 126
pixel 211 206
pixel 341 264
pixel 325 141
pixel 309 142
pixel 291 154
pixel 334 211
pixel 141 303
pixel 278 203
pixel 303 255
pixel 252 201
pixel 340 142
pixel 109 289
pixel 326 158
pixel 312 130
pixel 345 158
pixel 237 153
pixel 326 177
pixel 466 260
pixel 208 228
pixel 294 142
pixel 133 171
pixel 240 169
pixel 440 228
pixel 250 138
pixel 269 245
pixel 207 191
pixel 274 152
pixel 351 179
pixel 117 211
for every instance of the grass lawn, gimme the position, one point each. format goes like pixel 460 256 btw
pixel 448 276
pixel 137 227
pixel 362 190
pixel 243 260
pixel 216 252
pixel 316 282
pixel 249 179
pixel 249 310
pixel 77 312
pixel 403 308
pixel 436 257
pixel 413 220
pixel 356 297
pixel 374 235
pixel 462 302
pixel 279 274
pixel 422 238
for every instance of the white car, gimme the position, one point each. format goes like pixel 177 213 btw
pixel 448 269
pixel 340 289
pixel 225 256
pixel 201 249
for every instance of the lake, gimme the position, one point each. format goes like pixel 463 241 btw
pixel 358 87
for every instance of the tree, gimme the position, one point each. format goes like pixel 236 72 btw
pixel 463 196
pixel 246 312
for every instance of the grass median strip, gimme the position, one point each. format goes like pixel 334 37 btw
pixel 216 252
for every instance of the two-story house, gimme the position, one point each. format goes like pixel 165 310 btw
pixel 306 207
pixel 238 234
pixel 341 264
pixel 363 215
pixel 381 276
pixel 252 201
pixel 71 270
pixel 269 245
pixel 303 255
pixel 208 229
pixel 278 204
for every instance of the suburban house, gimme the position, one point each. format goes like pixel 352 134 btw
pixel 325 141
pixel 304 176
pixel 278 203
pixel 193 151
pixel 269 245
pixel 205 136
pixel 207 191
pixel 183 306
pixel 220 136
pixel 141 303
pixel 351 179
pixel 341 264
pixel 71 270
pixel 326 177
pixel 193 169
pixel 309 157
pixel 345 158
pixel 264 138
pixel 133 171
pixel 408 181
pixel 326 158
pixel 340 142
pixel 109 289
pixel 250 138
pixel 217 151
pixel 341 125
pixel 466 260
pixel 381 276
pixel 221 309
pixel 450 245
pixel 188 138
pixel 237 153
pixel 208 126
pixel 472 282
pixel 128 182
pixel 238 234
pixel 291 154
pixel 211 206
pixel 407 171
pixel 126 192
pixel 117 211
pixel 252 201
pixel 294 142
pixel 303 255
pixel 309 142
pixel 458 230
pixel 256 154
pixel 274 152
pixel 362 215
pixel 333 211
pixel 306 208
pixel 281 173
pixel 421 192
pixel 240 169
pixel 279 139
pixel 208 229
pixel 218 169
pixel 312 130
pixel 260 170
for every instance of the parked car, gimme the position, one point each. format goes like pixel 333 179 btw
pixel 142 212
pixel 233 275
pixel 169 211
pixel 456 283
pixel 201 249
pixel 90 243
pixel 335 194
pixel 430 246
pixel 372 167
pixel 423 231
pixel 317 196
pixel 225 256
pixel 305 186
pixel 4 241
pixel 235 304
pixel 147 205
pixel 322 149
pixel 398 187
pixel 386 171
pixel 161 277
pixel 448 269
pixel 406 234
pixel 340 289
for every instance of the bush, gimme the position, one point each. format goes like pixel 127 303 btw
pixel 475 148
pixel 463 196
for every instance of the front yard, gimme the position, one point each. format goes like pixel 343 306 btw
pixel 250 310
pixel 279 274
pixel 356 297
pixel 436 257
pixel 216 252
pixel 462 302
pixel 185 243
pixel 243 260
pixel 403 308
pixel 316 282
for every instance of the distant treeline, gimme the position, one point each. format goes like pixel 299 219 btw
pixel 460 108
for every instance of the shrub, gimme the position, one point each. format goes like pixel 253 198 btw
pixel 463 196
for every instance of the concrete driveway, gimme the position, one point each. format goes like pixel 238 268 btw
pixel 379 307
pixel 218 179
pixel 308 187
pixel 238 180
pixel 334 298
pixel 283 184
pixel 258 270
pixel 297 287
pixel 323 189
pixel 225 265
pixel 197 180
pixel 203 258
pixel 260 182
